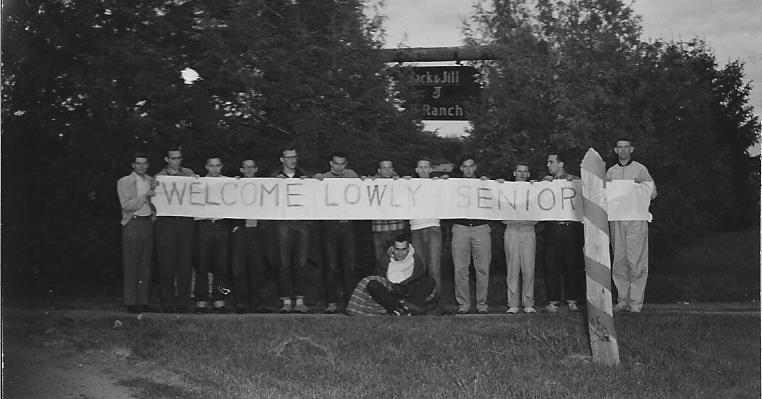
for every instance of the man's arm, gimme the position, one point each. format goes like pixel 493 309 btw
pixel 129 203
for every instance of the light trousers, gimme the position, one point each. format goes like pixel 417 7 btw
pixel 467 242
pixel 630 266
pixel 520 245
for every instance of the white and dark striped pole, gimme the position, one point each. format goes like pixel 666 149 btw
pixel 600 319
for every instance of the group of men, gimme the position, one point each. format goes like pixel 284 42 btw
pixel 408 252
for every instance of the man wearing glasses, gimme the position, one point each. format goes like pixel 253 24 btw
pixel 293 244
pixel 248 256
pixel 174 246
pixel 135 192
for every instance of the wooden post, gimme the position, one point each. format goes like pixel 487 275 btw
pixel 600 319
pixel 430 54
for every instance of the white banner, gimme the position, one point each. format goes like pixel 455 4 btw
pixel 627 200
pixel 356 199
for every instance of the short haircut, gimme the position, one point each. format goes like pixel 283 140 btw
pixel 560 155
pixel 423 159
pixel 139 154
pixel 178 148
pixel 338 154
pixel 401 238
pixel 385 160
pixel 521 163
pixel 627 139
pixel 213 157
pixel 288 147
pixel 248 159
pixel 466 157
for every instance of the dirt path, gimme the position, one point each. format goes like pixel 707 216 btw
pixel 38 363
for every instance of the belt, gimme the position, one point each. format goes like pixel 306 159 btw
pixel 471 224
pixel 141 217
pixel 211 221
pixel 565 223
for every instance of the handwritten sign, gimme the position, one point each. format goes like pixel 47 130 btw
pixel 331 199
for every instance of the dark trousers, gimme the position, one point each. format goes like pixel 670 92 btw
pixel 174 250
pixel 248 266
pixel 339 244
pixel 564 256
pixel 293 244
pixel 414 293
pixel 212 257
pixel 137 249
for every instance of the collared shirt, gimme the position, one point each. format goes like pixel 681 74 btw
pixel 348 173
pixel 212 219
pixel 630 171
pixel 129 199
pixel 143 185
pixel 378 226
pixel 181 172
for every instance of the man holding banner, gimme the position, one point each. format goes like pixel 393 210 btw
pixel 212 254
pixel 520 245
pixel 630 237
pixel 384 230
pixel 293 244
pixel 248 256
pixel 471 237
pixel 338 242
pixel 427 235
pixel 564 241
pixel 174 245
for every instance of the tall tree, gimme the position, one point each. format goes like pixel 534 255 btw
pixel 575 74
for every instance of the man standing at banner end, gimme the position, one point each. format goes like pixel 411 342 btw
pixel 630 237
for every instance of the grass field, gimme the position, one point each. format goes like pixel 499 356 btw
pixel 664 355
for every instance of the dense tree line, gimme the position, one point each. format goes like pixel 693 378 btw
pixel 576 74
pixel 85 83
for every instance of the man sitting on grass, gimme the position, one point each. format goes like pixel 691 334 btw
pixel 400 287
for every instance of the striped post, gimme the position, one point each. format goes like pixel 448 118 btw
pixel 600 319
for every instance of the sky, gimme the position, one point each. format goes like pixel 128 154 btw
pixel 732 28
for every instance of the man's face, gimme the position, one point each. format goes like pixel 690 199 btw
pixel 289 159
pixel 554 166
pixel 400 250
pixel 386 169
pixel 468 167
pixel 174 159
pixel 624 150
pixel 213 167
pixel 248 168
pixel 338 164
pixel 423 168
pixel 140 165
pixel 521 173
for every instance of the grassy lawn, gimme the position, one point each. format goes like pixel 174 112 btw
pixel 717 267
pixel 535 356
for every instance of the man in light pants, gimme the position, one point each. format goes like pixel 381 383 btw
pixel 520 244
pixel 471 237
pixel 630 237
pixel 427 235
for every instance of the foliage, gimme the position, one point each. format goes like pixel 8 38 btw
pixel 86 83
pixel 575 74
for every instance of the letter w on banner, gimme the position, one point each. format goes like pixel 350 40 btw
pixel 330 199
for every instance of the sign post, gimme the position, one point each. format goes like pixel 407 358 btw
pixel 600 319
pixel 445 90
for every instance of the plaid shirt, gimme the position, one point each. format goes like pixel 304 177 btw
pixel 387 225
